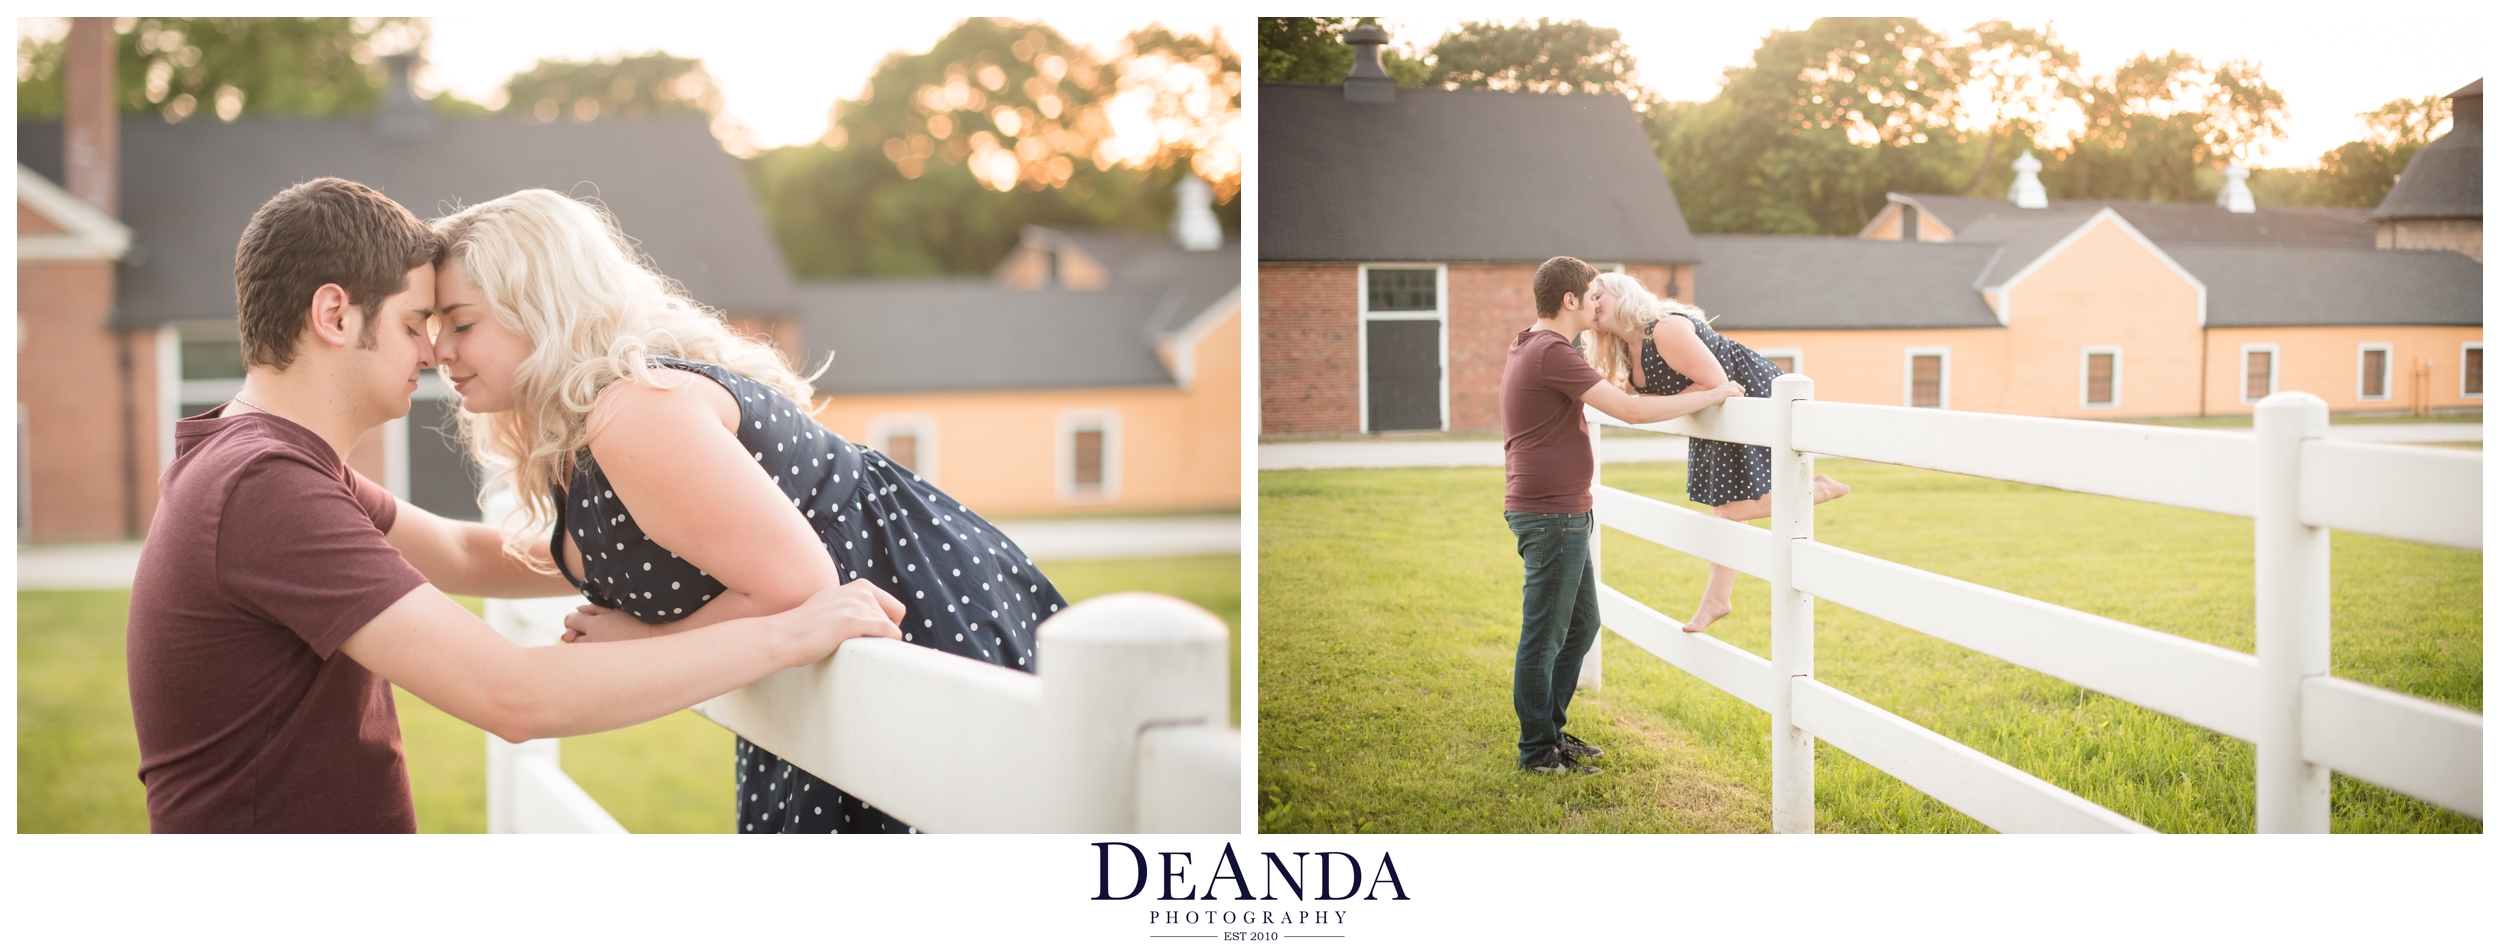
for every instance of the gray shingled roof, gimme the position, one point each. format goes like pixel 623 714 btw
pixel 2445 178
pixel 956 334
pixel 920 335
pixel 1460 175
pixel 2315 287
pixel 2166 223
pixel 1789 282
pixel 188 189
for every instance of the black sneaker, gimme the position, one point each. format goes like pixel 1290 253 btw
pixel 1579 748
pixel 1555 761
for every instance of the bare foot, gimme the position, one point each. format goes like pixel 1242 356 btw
pixel 1702 618
pixel 1827 488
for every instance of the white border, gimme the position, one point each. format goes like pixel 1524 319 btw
pixel 924 431
pixel 2386 372
pixel 2477 347
pixel 1944 375
pixel 2117 377
pixel 1108 421
pixel 1362 335
pixel 2274 371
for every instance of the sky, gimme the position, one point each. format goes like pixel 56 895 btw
pixel 2327 67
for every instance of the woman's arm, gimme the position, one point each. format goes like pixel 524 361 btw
pixel 1683 350
pixel 673 458
pixel 592 623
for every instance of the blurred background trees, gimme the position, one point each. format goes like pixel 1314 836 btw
pixel 1808 136
pixel 932 169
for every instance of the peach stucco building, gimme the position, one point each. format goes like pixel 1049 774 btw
pixel 1092 372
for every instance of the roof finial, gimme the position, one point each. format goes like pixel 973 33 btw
pixel 1194 226
pixel 1367 81
pixel 2027 191
pixel 2235 194
pixel 401 112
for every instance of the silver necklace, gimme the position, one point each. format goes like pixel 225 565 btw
pixel 257 406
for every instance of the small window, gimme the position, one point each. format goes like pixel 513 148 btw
pixel 1407 289
pixel 1089 456
pixel 908 440
pixel 2257 371
pixel 2374 363
pixel 1929 382
pixel 1787 359
pixel 2100 377
pixel 212 360
pixel 2472 361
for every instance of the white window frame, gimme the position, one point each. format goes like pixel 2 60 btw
pixel 1944 375
pixel 1070 421
pixel 1796 358
pixel 2475 346
pixel 924 430
pixel 2360 378
pixel 2274 371
pixel 2117 377
pixel 1363 337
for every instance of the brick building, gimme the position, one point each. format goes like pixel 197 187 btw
pixel 1400 228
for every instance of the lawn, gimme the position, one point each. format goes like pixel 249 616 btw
pixel 78 760
pixel 1389 613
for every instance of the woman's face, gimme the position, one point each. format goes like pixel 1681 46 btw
pixel 474 350
pixel 1608 307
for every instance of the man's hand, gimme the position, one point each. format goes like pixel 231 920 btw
pixel 834 615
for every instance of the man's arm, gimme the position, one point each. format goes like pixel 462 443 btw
pixel 468 557
pixel 1657 409
pixel 449 657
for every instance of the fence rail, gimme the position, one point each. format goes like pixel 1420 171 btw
pixel 2292 481
pixel 1123 730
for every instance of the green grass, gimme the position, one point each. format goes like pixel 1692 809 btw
pixel 1390 611
pixel 78 758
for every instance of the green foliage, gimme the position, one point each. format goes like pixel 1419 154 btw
pixel 228 67
pixel 909 179
pixel 1387 631
pixel 653 84
pixel 1307 50
pixel 2152 125
pixel 1544 57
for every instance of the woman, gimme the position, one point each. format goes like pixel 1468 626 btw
pixel 1734 479
pixel 681 476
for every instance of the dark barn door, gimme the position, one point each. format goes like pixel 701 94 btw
pixel 1405 379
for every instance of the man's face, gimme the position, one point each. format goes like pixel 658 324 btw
pixel 1604 313
pixel 388 370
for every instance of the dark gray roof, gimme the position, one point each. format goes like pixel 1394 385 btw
pixel 2445 178
pixel 1189 281
pixel 2166 223
pixel 921 335
pixel 1460 175
pixel 1788 282
pixel 2312 287
pixel 188 189
pixel 2024 238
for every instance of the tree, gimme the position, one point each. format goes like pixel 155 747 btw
pixel 1311 50
pixel 946 154
pixel 229 67
pixel 653 84
pixel 1544 57
pixel 2361 172
pixel 2019 84
pixel 2155 123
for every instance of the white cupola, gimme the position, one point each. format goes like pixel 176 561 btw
pixel 2235 194
pixel 1194 226
pixel 2027 191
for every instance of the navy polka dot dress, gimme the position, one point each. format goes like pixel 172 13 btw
pixel 965 588
pixel 1716 473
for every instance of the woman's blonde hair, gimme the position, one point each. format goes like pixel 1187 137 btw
pixel 560 273
pixel 1609 353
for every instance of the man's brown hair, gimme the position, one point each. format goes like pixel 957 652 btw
pixel 325 231
pixel 1559 276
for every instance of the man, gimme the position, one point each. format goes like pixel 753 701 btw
pixel 271 612
pixel 1548 469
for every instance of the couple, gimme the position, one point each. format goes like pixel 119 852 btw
pixel 1655 360
pixel 665 467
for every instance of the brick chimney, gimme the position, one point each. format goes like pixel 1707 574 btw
pixel 91 116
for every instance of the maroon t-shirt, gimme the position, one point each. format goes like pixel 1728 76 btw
pixel 1545 439
pixel 267 553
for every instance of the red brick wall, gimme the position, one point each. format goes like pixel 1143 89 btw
pixel 1308 355
pixel 69 381
pixel 1489 305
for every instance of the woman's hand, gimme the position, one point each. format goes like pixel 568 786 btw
pixel 591 622
pixel 1729 390
pixel 837 614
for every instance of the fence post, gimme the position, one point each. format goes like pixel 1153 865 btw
pixel 1112 667
pixel 1792 612
pixel 2292 616
pixel 1593 663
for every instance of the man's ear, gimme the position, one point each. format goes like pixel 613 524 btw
pixel 1570 301
pixel 331 317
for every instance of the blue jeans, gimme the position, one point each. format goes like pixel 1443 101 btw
pixel 1557 623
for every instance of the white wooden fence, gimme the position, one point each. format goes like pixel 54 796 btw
pixel 1124 730
pixel 2293 481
